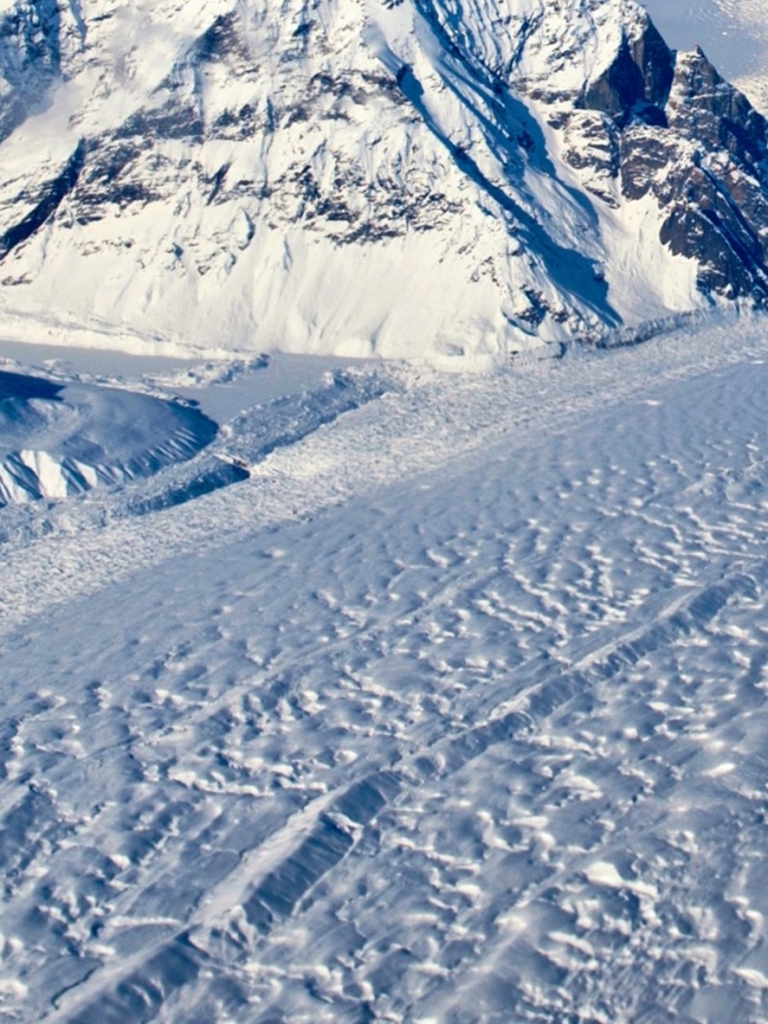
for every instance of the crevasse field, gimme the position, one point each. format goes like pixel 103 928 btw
pixel 451 706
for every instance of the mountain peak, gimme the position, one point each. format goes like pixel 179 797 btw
pixel 388 178
pixel 639 75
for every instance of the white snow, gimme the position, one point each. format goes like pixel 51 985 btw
pixel 454 710
pixel 409 697
pixel 389 194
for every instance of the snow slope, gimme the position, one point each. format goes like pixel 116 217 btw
pixel 258 179
pixel 58 439
pixel 455 710
pixel 415 180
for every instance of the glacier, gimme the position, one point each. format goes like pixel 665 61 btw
pixel 339 686
pixel 453 710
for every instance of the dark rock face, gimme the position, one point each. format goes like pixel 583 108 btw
pixel 706 107
pixel 706 170
pixel 717 209
pixel 640 76
pixel 667 124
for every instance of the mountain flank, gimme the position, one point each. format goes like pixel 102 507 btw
pixel 411 178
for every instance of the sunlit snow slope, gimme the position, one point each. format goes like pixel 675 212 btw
pixel 469 727
pixel 411 179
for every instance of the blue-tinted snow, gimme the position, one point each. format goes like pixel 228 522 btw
pixel 455 710
pixel 63 437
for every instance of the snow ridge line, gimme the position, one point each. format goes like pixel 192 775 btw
pixel 338 826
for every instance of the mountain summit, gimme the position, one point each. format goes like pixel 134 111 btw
pixel 406 177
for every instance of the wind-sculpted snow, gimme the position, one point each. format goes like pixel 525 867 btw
pixel 59 439
pixel 470 727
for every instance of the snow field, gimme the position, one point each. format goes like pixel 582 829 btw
pixel 467 728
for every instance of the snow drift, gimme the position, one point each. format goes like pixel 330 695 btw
pixel 58 440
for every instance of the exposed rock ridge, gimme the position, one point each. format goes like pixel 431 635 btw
pixel 638 80
pixel 666 124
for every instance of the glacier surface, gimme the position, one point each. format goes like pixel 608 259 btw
pixel 452 709
pixel 337 690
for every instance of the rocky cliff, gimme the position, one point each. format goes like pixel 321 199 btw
pixel 665 124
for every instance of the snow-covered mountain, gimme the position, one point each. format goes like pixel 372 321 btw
pixel 405 177
pixel 733 33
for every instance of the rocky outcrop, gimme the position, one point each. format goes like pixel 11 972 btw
pixel 654 122
pixel 637 81
pixel 703 106
pixel 707 173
